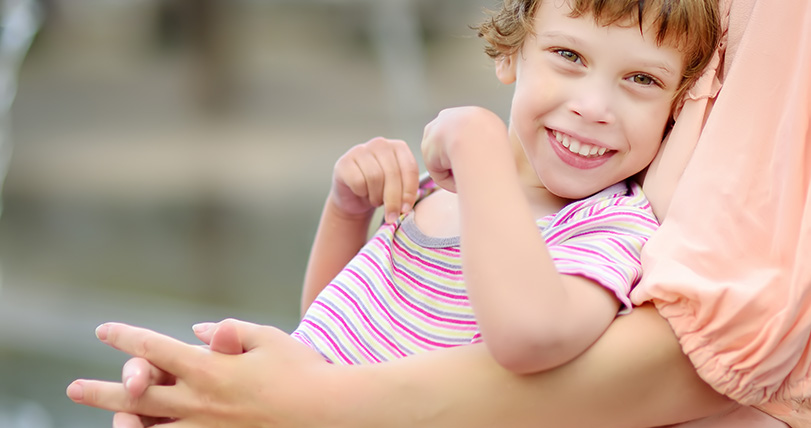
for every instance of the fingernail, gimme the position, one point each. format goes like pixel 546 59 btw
pixel 128 374
pixel 202 327
pixel 101 332
pixel 406 208
pixel 75 391
pixel 391 218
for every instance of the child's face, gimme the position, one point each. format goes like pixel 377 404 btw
pixel 591 102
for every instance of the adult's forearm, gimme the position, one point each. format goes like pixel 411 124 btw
pixel 634 376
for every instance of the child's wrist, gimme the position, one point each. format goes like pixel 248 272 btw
pixel 334 210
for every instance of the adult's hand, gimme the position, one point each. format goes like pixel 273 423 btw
pixel 191 386
pixel 138 373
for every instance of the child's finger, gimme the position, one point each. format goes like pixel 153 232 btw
pixel 374 177
pixel 410 176
pixel 347 173
pixel 389 160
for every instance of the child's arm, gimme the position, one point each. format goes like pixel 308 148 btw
pixel 531 317
pixel 378 172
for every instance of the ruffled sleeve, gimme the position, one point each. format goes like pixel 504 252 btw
pixel 730 267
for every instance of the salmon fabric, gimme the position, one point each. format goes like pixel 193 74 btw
pixel 730 267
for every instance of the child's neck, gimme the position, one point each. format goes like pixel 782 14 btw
pixel 542 202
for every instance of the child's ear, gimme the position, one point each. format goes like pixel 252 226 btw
pixel 505 68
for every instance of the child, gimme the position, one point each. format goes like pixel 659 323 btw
pixel 596 85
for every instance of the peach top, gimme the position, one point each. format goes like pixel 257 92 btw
pixel 734 177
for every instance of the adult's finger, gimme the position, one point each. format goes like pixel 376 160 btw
pixel 157 400
pixel 129 420
pixel 137 374
pixel 232 336
pixel 222 337
pixel 163 351
pixel 204 331
pixel 226 340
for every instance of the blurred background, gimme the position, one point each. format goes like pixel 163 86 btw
pixel 165 161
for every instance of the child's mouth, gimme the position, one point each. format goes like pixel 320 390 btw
pixel 578 147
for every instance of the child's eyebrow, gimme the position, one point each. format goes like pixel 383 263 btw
pixel 558 35
pixel 661 67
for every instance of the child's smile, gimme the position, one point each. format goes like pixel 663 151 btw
pixel 576 152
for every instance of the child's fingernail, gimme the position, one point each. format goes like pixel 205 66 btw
pixel 201 327
pixel 391 218
pixel 406 208
pixel 101 332
pixel 75 391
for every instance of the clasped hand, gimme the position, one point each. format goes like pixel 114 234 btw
pixel 194 386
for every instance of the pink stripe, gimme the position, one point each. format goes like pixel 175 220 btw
pixel 393 347
pixel 334 346
pixel 422 289
pixel 454 299
pixel 451 275
pixel 591 223
pixel 398 250
pixel 402 299
pixel 602 276
pixel 417 310
pixel 606 244
pixel 625 249
pixel 332 315
pixel 403 251
pixel 417 285
pixel 411 310
pixel 576 254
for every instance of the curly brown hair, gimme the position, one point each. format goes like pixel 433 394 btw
pixel 691 25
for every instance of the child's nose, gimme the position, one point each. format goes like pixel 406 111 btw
pixel 593 101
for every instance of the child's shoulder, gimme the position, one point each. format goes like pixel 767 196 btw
pixel 621 199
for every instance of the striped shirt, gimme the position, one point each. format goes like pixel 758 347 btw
pixel 404 293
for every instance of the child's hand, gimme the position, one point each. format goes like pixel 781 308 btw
pixel 377 172
pixel 452 129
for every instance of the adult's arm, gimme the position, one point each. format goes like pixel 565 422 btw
pixel 634 376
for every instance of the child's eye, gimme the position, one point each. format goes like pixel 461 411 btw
pixel 643 79
pixel 568 55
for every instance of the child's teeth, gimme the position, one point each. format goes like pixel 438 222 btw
pixel 574 145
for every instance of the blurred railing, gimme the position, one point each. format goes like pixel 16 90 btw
pixel 19 21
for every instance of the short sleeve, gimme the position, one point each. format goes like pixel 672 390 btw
pixel 601 238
